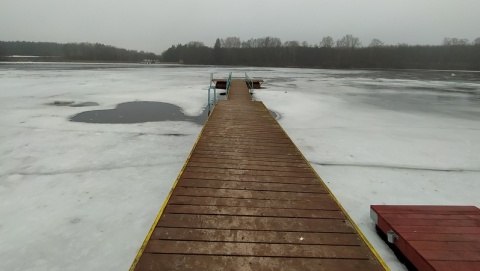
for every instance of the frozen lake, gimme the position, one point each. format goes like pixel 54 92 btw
pixel 81 195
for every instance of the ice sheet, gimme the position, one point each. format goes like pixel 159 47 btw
pixel 78 196
pixel 402 142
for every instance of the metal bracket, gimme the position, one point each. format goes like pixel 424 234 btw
pixel 374 216
pixel 391 236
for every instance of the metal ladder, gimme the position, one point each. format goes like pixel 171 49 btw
pixel 212 102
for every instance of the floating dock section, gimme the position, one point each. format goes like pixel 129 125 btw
pixel 247 199
pixel 432 238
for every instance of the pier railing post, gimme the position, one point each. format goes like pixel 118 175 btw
pixel 208 101
pixel 208 98
pixel 211 103
pixel 214 96
pixel 229 79
pixel 249 82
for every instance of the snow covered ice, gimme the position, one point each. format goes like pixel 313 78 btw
pixel 78 196
pixel 82 196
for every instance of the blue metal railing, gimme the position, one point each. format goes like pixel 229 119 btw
pixel 249 82
pixel 213 101
pixel 229 80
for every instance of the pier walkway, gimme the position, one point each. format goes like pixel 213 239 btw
pixel 247 199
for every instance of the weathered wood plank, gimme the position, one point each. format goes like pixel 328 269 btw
pixel 252 211
pixel 327 204
pixel 251 178
pixel 254 223
pixel 271 173
pixel 249 194
pixel 175 262
pixel 253 186
pixel 246 236
pixel 256 249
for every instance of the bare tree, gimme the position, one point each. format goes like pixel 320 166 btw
pixel 196 44
pixel 260 42
pixel 464 42
pixel 305 44
pixel 476 41
pixel 376 43
pixel 251 43
pixel 455 42
pixel 245 44
pixel 232 42
pixel 349 41
pixel 272 42
pixel 291 43
pixel 327 42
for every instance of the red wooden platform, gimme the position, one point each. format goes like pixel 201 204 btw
pixel 433 237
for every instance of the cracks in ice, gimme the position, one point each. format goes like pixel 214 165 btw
pixel 381 127
pixel 78 171
pixel 394 167
pixel 95 131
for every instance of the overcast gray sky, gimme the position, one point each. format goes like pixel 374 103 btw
pixel 154 25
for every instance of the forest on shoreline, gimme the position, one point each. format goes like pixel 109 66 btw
pixel 51 51
pixel 345 53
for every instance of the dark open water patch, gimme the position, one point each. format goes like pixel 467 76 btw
pixel 138 112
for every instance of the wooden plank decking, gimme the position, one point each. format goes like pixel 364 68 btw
pixel 248 200
pixel 440 238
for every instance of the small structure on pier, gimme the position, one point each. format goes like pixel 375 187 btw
pixel 254 83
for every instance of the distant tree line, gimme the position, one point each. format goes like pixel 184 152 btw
pixel 346 52
pixel 26 48
pixel 74 51
pixel 101 52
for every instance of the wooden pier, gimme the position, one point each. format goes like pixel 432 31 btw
pixel 247 199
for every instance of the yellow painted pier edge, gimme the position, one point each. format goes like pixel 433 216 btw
pixel 152 228
pixel 380 260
